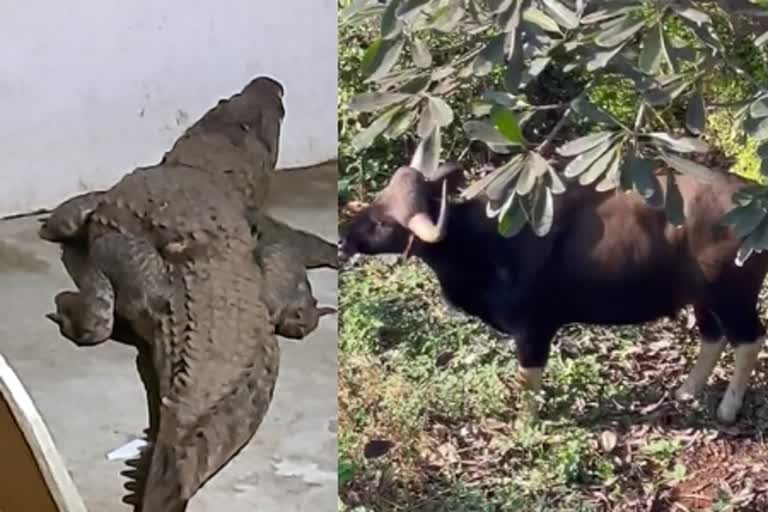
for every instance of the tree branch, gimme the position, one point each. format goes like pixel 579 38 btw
pixel 552 134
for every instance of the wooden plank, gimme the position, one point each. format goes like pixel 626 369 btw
pixel 32 473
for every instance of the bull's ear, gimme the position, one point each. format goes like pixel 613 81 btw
pixel 452 172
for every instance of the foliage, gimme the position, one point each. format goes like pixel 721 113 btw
pixel 637 90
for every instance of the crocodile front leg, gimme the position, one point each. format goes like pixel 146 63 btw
pixel 113 262
pixel 287 290
pixel 86 317
pixel 300 317
pixel 68 220
pixel 315 252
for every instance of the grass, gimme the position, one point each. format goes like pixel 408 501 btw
pixel 428 421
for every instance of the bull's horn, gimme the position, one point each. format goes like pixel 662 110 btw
pixel 423 227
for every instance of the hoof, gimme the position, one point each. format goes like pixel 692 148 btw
pixel 728 410
pixel 685 394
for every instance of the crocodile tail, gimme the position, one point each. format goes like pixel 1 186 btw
pixel 154 482
pixel 163 488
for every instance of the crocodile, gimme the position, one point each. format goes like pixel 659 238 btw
pixel 284 253
pixel 164 260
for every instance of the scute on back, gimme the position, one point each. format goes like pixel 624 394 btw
pixel 201 211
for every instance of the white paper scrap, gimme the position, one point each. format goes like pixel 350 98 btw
pixel 129 450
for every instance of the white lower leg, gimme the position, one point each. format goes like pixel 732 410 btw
pixel 531 379
pixel 745 360
pixel 709 353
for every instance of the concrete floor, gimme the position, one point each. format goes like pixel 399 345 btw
pixel 93 402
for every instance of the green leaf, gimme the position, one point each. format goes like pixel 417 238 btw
pixel 582 144
pixel 611 179
pixel 744 219
pixel 416 86
pixel 536 66
pixel 442 72
pixel 543 211
pixel 650 56
pixel 538 164
pixel 584 107
pixel 391 26
pixel 359 10
pixel 505 173
pixel 695 114
pixel 556 183
pixel 707 35
pixel 393 80
pixel 380 57
pixel 507 124
pixel 601 58
pixel 512 218
pixel 515 68
pixel 561 14
pixel 599 166
pixel 756 241
pixel 582 162
pixel 509 20
pixel 421 56
pixel 525 180
pixel 427 154
pixel 366 137
pixel 680 144
pixel 638 176
pixel 370 54
pixel 401 123
pixel 491 54
pixel 695 15
pixel 436 113
pixel 606 13
pixel 442 111
pixel 502 98
pixel 759 108
pixel 686 166
pixel 758 129
pixel 673 202
pixel 498 186
pixel 346 471
pixel 409 8
pixel 485 131
pixel 373 101
pixel 761 39
pixel 497 6
pixel 537 17
pixel 619 33
pixel 656 97
pixel 447 18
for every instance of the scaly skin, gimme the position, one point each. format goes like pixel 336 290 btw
pixel 284 254
pixel 313 250
pixel 223 378
pixel 164 260
pixel 216 374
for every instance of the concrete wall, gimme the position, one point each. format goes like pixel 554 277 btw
pixel 90 89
